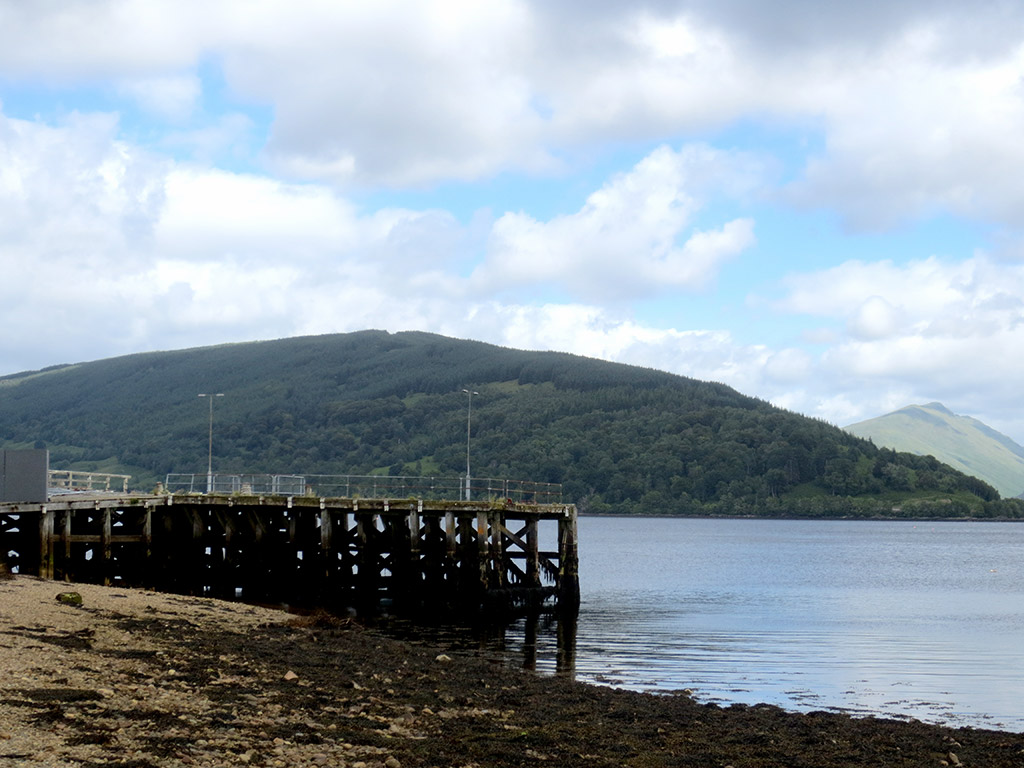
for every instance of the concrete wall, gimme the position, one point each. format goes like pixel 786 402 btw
pixel 23 475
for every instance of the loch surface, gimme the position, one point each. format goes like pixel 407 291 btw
pixel 903 619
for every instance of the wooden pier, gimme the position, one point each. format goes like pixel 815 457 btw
pixel 411 554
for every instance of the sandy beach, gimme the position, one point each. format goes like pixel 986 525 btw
pixel 136 678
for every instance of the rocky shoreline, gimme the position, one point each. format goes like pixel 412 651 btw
pixel 141 679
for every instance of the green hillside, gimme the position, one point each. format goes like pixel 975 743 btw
pixel 621 439
pixel 960 441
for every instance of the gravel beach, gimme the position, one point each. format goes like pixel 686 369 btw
pixel 136 678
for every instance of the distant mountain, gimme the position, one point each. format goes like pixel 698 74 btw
pixel 620 439
pixel 960 441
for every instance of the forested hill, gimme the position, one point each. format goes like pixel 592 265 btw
pixel 621 439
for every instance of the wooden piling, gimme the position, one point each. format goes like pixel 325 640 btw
pixel 46 543
pixel 569 564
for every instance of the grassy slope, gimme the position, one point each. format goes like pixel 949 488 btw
pixel 960 441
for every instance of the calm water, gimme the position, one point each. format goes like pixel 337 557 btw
pixel 900 619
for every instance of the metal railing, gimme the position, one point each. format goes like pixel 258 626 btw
pixel 75 480
pixel 367 487
pixel 274 485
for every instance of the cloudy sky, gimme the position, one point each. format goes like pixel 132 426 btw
pixel 820 204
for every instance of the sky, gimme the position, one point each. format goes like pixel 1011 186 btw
pixel 819 204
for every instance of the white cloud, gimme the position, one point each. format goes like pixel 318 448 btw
pixel 210 213
pixel 73 192
pixel 627 239
pixel 108 38
pixel 919 104
pixel 393 92
pixel 912 134
pixel 985 29
pixel 876 318
pixel 917 288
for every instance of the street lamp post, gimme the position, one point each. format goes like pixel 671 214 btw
pixel 469 417
pixel 209 461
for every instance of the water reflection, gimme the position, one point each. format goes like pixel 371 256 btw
pixel 544 642
pixel 538 642
pixel 530 638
